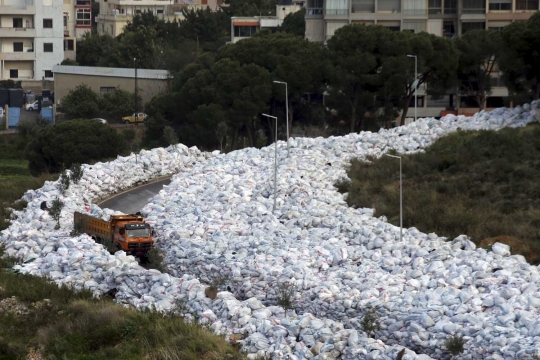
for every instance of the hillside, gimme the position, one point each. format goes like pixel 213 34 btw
pixel 482 183
pixel 302 280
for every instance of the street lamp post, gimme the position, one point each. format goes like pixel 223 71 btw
pixel 275 163
pixel 136 94
pixel 286 110
pixel 415 83
pixel 400 197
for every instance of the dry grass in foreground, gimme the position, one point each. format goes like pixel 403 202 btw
pixel 57 323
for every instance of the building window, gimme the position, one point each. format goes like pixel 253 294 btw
pixel 435 7
pixel 83 3
pixel 17 47
pixel 468 26
pixel 160 12
pixel 393 6
pixel 65 20
pixel 47 47
pixel 47 23
pixel 48 74
pixel 84 17
pixel 420 101
pixel 69 45
pixel 13 74
pixel 474 7
pixel 17 23
pixel 106 89
pixel 245 31
pixel 315 7
pixel 527 5
pixel 450 7
pixel 138 11
pixel 500 5
pixel 449 29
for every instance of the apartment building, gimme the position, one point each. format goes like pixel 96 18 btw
pixel 31 38
pixel 77 16
pixel 247 26
pixel 115 14
pixel 449 18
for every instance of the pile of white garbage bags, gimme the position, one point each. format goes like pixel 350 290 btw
pixel 216 219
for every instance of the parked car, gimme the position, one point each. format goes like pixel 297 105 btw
pixel 1 113
pixel 32 106
pixel 134 118
pixel 103 121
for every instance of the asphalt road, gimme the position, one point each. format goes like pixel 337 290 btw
pixel 134 200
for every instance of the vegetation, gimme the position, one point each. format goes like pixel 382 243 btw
pixel 55 211
pixel 479 52
pixel 76 141
pixel 370 322
pixel 366 72
pixel 482 184
pixel 156 259
pixel 454 345
pixel 285 296
pixel 15 178
pixel 83 102
pixel 59 323
pixel 295 23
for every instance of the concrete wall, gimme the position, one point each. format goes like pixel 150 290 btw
pixel 48 9
pixel 148 88
pixel 25 68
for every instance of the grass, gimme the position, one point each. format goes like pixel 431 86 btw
pixel 74 325
pixel 483 184
pixel 15 179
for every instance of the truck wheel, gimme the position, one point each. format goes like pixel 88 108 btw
pixel 126 122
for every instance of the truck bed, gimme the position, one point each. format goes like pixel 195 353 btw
pixel 93 226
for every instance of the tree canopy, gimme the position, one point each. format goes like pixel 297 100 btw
pixel 520 62
pixel 295 23
pixel 68 142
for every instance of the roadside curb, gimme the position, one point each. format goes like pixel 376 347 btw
pixel 111 196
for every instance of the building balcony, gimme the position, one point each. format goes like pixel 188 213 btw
pixel 18 10
pixel 11 32
pixel 17 56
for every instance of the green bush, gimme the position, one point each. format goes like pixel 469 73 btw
pixel 454 345
pixel 370 322
pixel 69 142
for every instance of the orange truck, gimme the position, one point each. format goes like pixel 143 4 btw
pixel 128 232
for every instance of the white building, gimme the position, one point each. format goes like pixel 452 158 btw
pixel 77 21
pixel 247 26
pixel 115 14
pixel 31 38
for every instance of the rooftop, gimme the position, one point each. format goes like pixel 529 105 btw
pixel 112 72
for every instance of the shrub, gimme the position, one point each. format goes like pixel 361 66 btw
pixel 55 211
pixel 77 227
pixel 156 259
pixel 70 142
pixel 76 173
pixel 285 296
pixel 109 245
pixel 63 182
pixel 169 135
pixel 370 322
pixel 454 345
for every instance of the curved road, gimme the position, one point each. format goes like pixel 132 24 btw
pixel 133 200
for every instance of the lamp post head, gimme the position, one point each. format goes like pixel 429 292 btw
pixel 279 82
pixel 411 56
